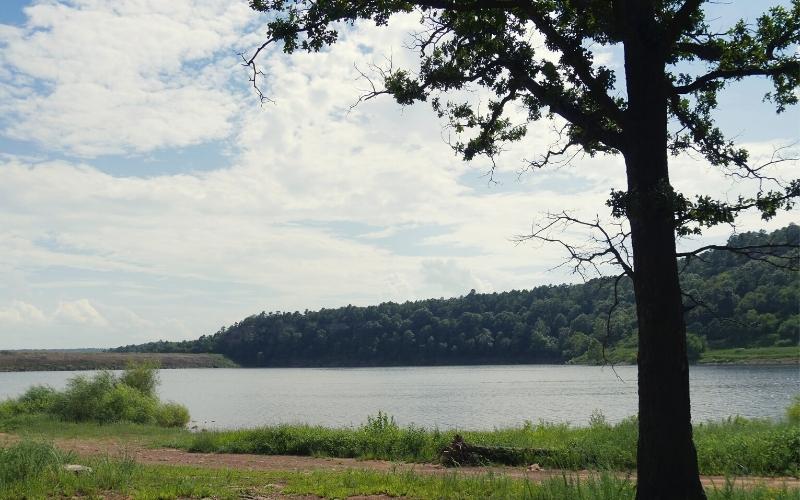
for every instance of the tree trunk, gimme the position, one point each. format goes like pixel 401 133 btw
pixel 667 460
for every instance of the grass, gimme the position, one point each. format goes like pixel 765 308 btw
pixel 753 355
pixel 736 446
pixel 35 470
pixel 739 355
pixel 47 427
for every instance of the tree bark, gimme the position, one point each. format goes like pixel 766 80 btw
pixel 667 459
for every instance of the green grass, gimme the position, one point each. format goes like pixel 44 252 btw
pixel 735 446
pixel 753 355
pixel 34 470
pixel 47 427
pixel 739 355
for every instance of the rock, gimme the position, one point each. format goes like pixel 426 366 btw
pixel 77 469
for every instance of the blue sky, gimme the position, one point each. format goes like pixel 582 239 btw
pixel 147 194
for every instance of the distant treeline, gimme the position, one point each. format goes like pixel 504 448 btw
pixel 732 301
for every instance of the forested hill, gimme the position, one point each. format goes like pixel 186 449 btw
pixel 745 303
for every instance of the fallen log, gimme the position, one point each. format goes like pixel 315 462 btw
pixel 460 454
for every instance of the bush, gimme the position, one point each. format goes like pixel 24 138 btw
pixel 83 398
pixel 793 411
pixel 38 399
pixel 124 403
pixel 695 346
pixel 142 377
pixel 172 415
pixel 103 398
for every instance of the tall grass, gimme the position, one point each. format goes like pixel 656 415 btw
pixel 735 446
pixel 102 398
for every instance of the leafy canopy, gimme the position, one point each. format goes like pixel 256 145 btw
pixel 497 45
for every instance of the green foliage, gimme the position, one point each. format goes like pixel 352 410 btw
pixel 141 376
pixel 84 397
pixel 741 446
pixel 745 304
pixel 736 446
pixel 758 355
pixel 379 438
pixel 793 411
pixel 172 415
pixel 103 398
pixel 694 347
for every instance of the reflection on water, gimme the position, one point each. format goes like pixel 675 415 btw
pixel 457 396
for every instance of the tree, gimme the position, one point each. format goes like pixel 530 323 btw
pixel 666 109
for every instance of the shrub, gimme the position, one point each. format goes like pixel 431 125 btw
pixel 172 415
pixel 103 398
pixel 142 377
pixel 793 411
pixel 695 346
pixel 38 399
pixel 83 398
pixel 124 403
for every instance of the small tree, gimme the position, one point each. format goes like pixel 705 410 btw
pixel 666 109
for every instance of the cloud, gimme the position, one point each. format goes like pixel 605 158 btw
pixel 20 312
pixel 449 275
pixel 81 312
pixel 93 77
pixel 115 259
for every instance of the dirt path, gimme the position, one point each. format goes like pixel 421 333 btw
pixel 168 456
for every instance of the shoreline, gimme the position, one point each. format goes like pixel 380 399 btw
pixel 45 360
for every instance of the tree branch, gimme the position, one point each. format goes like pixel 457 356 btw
pixel 702 82
pixel 681 20
pixel 567 110
pixel 761 253
pixel 608 253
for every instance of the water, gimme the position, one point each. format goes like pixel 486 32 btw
pixel 462 397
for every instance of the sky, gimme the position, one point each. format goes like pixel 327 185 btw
pixel 146 193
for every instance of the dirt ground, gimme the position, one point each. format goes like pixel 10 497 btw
pixel 167 456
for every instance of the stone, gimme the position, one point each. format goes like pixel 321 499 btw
pixel 77 469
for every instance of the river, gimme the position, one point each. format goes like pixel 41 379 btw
pixel 466 397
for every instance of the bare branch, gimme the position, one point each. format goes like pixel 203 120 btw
pixel 763 253
pixel 606 252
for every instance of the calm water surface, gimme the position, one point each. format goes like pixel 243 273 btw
pixel 464 397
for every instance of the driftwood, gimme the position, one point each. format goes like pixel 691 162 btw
pixel 460 453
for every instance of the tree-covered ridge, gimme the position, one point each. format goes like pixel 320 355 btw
pixel 731 301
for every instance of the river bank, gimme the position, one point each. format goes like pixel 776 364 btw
pixel 53 360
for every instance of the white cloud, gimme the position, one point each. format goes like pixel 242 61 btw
pixel 124 259
pixel 449 275
pixel 121 77
pixel 20 312
pixel 79 311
